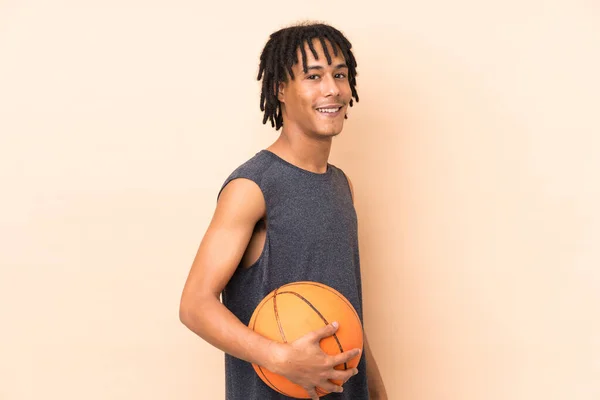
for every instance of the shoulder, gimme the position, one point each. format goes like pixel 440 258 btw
pixel 255 166
pixel 252 170
pixel 241 194
pixel 241 200
pixel 346 178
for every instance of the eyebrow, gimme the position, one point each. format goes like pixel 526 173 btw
pixel 320 67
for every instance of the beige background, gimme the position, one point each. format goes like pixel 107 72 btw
pixel 473 152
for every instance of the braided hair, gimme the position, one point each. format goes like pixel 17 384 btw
pixel 280 54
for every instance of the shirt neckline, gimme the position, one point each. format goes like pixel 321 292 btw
pixel 305 171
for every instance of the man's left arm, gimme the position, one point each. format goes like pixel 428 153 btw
pixel 374 379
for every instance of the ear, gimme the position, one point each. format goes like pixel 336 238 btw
pixel 281 92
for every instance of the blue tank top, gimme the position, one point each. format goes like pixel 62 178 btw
pixel 311 235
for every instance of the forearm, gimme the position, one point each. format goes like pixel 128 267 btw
pixel 374 379
pixel 214 323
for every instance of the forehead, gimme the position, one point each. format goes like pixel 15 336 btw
pixel 321 59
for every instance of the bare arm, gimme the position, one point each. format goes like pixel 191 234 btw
pixel 240 207
pixel 374 379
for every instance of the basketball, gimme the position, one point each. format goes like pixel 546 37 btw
pixel 293 310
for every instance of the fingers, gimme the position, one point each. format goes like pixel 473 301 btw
pixel 313 393
pixel 345 356
pixel 343 376
pixel 329 387
pixel 326 331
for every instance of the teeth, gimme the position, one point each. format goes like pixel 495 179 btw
pixel 328 110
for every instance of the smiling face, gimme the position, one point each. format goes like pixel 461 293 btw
pixel 315 103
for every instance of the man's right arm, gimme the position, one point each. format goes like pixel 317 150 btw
pixel 240 206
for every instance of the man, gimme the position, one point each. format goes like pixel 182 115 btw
pixel 286 215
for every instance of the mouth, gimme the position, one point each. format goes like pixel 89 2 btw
pixel 330 111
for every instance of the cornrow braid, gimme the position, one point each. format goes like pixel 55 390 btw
pixel 280 54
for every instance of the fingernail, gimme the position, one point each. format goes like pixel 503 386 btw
pixel 335 324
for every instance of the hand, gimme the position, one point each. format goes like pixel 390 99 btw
pixel 306 364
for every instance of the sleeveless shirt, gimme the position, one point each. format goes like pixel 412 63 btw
pixel 311 235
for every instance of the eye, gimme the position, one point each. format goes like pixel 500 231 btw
pixel 312 77
pixel 340 75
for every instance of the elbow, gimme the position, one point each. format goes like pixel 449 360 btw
pixel 192 308
pixel 182 315
pixel 186 311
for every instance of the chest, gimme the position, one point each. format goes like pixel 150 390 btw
pixel 319 215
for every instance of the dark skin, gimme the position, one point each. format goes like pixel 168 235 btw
pixel 237 234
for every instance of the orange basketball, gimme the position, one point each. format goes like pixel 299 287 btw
pixel 295 309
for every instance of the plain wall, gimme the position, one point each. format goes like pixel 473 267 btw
pixel 474 157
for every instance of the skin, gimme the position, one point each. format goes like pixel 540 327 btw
pixel 307 134
pixel 236 236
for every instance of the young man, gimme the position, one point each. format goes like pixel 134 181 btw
pixel 286 215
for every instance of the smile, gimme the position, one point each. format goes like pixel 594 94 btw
pixel 329 111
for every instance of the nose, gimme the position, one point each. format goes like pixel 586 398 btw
pixel 330 86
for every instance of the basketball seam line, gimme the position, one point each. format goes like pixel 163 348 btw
pixel 337 340
pixel 317 284
pixel 277 317
pixel 322 286
pixel 268 380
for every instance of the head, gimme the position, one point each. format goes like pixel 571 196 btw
pixel 308 77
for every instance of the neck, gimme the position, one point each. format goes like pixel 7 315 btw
pixel 303 151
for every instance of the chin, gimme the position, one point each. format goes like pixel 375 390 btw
pixel 331 130
pixel 329 133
